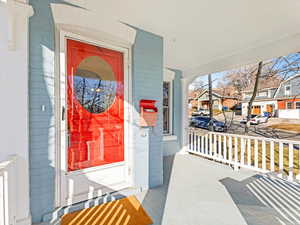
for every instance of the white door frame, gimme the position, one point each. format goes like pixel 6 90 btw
pixel 61 102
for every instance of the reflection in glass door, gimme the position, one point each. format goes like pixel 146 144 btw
pixel 95 91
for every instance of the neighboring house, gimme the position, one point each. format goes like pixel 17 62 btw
pixel 264 101
pixel 288 98
pixel 193 100
pixel 200 100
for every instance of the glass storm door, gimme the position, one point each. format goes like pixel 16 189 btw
pixel 95 105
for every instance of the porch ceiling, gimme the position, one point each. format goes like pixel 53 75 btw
pixel 208 36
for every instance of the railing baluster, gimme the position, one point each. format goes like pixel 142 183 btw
pixel 235 153
pixel 210 145
pixel 280 160
pixel 202 144
pixel 264 166
pixel 8 203
pixel 230 149
pixel 3 198
pixel 220 147
pixel 225 148
pixel 256 153
pixel 298 175
pixel 272 156
pixel 215 145
pixel 198 143
pixel 194 142
pixel 249 152
pixel 291 161
pixel 190 141
pixel 206 145
pixel 243 151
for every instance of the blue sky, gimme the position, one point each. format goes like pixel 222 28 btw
pixel 215 78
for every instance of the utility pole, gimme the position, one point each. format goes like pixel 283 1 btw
pixel 210 101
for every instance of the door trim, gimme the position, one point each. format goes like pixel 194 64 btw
pixel 61 126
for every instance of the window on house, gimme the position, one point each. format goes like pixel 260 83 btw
pixel 167 104
pixel 297 105
pixel 289 105
pixel 287 90
pixel 262 94
pixel 269 93
pixel 247 95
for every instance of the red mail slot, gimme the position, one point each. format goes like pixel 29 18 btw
pixel 148 113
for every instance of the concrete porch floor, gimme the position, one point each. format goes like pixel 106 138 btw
pixel 199 191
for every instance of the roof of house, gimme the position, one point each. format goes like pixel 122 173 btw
pixel 288 97
pixel 260 89
pixel 195 94
pixel 219 92
pixel 259 100
pixel 290 78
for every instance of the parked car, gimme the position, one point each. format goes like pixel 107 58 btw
pixel 244 120
pixel 256 119
pixel 259 119
pixel 201 112
pixel 237 110
pixel 207 123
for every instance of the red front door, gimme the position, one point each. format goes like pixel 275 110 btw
pixel 95 92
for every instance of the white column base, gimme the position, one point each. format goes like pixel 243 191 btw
pixel 24 221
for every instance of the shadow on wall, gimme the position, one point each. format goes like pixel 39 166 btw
pixel 155 199
pixel 41 111
pixel 264 199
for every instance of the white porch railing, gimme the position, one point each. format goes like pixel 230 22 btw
pixel 281 157
pixel 7 194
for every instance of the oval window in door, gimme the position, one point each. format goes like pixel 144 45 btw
pixel 95 84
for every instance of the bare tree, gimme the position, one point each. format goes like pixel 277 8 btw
pixel 274 71
pixel 197 85
pixel 249 109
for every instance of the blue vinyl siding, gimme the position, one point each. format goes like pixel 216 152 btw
pixel 42 123
pixel 147 71
pixel 294 83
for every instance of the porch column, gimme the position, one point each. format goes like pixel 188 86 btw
pixel 14 128
pixel 185 87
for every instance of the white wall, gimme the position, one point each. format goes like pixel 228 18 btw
pixel 263 104
pixel 14 97
pixel 289 113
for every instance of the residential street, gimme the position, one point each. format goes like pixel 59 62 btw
pixel 262 130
